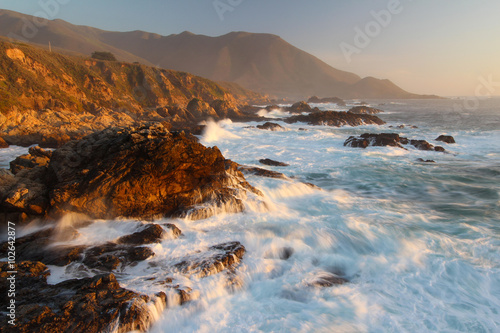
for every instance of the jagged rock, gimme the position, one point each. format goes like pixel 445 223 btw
pixel 446 139
pixel 225 109
pixel 151 233
pixel 219 257
pixel 336 100
pixel 261 172
pixel 37 157
pixel 367 139
pixel 3 144
pixel 91 305
pixel 267 161
pixel 176 232
pixel 364 110
pixel 299 107
pixel 336 118
pixel 271 126
pixel 139 172
pixel 200 109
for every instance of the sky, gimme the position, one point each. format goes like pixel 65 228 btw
pixel 445 47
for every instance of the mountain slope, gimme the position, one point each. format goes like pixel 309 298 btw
pixel 264 63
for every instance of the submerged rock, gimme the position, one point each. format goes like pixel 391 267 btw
pixel 218 257
pixel 267 161
pixel 446 139
pixel 336 118
pixel 388 139
pixel 271 127
pixel 261 172
pixel 327 279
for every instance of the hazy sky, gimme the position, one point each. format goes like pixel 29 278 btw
pixel 425 46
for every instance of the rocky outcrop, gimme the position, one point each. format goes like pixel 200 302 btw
pixel 299 107
pixel 131 172
pixel 335 118
pixel 139 172
pixel 334 100
pixel 267 161
pixel 446 138
pixel 97 304
pixel 388 139
pixel 199 108
pixel 271 126
pixel 364 110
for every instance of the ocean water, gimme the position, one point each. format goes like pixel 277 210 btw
pixel 419 243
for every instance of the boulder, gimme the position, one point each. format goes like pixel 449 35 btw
pixel 139 172
pixel 364 110
pixel 367 139
pixel 150 233
pixel 225 109
pixel 336 118
pixel 271 126
pixel 299 107
pixel 267 161
pixel 200 109
pixel 446 139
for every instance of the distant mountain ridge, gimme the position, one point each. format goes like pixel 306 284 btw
pixel 264 63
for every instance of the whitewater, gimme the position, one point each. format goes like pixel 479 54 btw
pixel 418 243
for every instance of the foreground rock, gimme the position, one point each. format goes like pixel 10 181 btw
pixel 130 172
pixel 364 110
pixel 88 305
pixel 446 139
pixel 267 161
pixel 388 139
pixel 336 118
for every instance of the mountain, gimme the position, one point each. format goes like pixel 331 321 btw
pixel 264 63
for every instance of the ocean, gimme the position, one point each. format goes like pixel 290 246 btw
pixel 418 243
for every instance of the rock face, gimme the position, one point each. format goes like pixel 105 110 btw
pixel 271 126
pixel 267 161
pixel 335 118
pixel 95 304
pixel 139 172
pixel 446 139
pixel 388 139
pixel 364 110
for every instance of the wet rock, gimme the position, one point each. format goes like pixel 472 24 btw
pixel 139 172
pixel 286 252
pixel 336 118
pixel 425 161
pixel 440 149
pixel 92 305
pixel 367 139
pixel 446 138
pixel 151 233
pixel 110 256
pixel 3 144
pixel 364 110
pixel 327 279
pixel 217 258
pixel 37 157
pixel 271 127
pixel 267 161
pixel 175 230
pixel 261 172
pixel 421 145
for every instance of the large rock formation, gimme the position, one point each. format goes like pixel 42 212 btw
pixel 132 172
pixel 336 118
